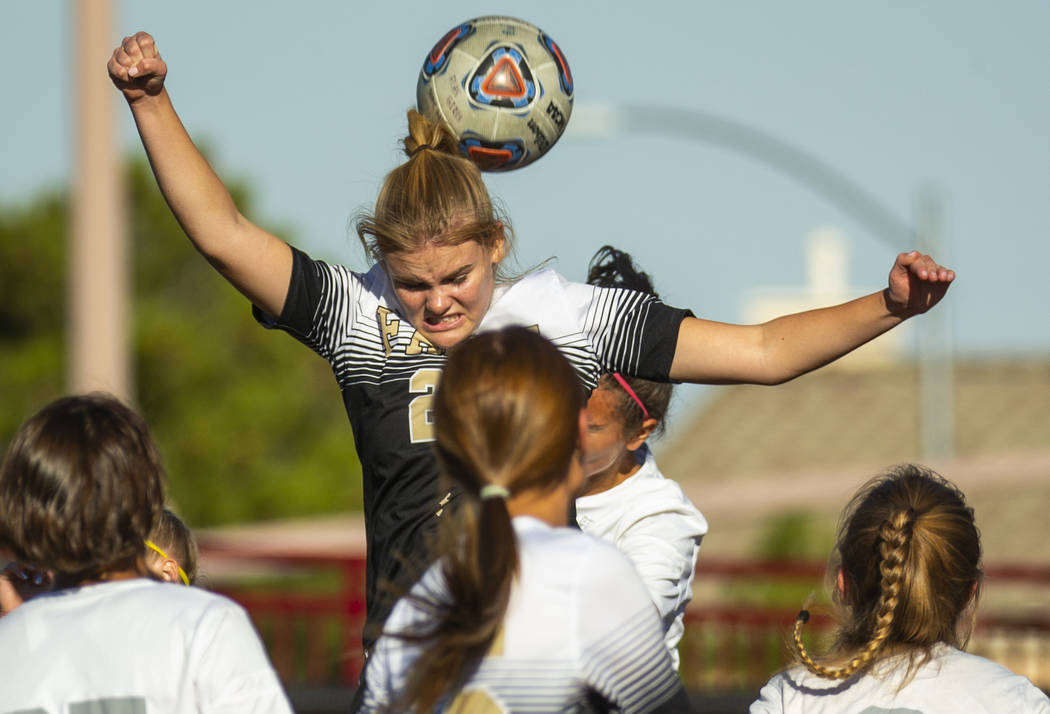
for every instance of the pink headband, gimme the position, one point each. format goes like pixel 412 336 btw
pixel 627 388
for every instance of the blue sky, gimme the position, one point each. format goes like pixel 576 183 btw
pixel 307 101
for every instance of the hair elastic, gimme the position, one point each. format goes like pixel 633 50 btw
pixel 421 147
pixel 494 490
pixel 182 573
pixel 627 388
pixel 803 616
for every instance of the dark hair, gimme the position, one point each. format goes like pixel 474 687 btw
pixel 612 268
pixel 177 540
pixel 436 195
pixel 81 486
pixel 506 413
pixel 910 556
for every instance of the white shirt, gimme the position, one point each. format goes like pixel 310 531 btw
pixel 650 520
pixel 578 620
pixel 952 682
pixel 137 646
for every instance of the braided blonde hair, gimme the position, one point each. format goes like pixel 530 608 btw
pixel 909 555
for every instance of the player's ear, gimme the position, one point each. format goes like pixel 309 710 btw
pixel 169 571
pixel 644 432
pixel 840 582
pixel 499 244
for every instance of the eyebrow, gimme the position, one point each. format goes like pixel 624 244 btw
pixel 413 281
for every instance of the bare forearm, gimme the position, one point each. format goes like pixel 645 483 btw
pixel 782 349
pixel 795 344
pixel 778 350
pixel 254 261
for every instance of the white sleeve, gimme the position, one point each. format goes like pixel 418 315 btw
pixel 390 662
pixel 379 687
pixel 624 658
pixel 663 546
pixel 770 697
pixel 1036 701
pixel 392 658
pixel 233 672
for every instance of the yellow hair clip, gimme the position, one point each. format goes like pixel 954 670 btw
pixel 182 573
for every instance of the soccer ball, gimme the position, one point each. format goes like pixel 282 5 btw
pixel 504 87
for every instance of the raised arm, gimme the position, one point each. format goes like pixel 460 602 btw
pixel 255 262
pixel 786 347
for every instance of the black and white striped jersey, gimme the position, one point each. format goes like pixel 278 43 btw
pixel 387 373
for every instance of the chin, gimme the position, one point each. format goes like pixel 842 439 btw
pixel 444 340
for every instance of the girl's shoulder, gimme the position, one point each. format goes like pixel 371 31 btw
pixel 950 678
pixel 533 283
pixel 571 548
pixel 650 492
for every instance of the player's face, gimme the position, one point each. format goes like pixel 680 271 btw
pixel 445 290
pixel 604 442
pixel 576 476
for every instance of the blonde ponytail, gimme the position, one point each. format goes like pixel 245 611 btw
pixel 914 593
pixel 893 546
pixel 437 195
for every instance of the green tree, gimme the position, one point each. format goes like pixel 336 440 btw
pixel 250 423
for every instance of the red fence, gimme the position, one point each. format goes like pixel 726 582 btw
pixel 732 643
pixel 309 610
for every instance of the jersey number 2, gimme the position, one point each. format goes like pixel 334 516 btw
pixel 420 409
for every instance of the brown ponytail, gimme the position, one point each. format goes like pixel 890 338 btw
pixel 506 415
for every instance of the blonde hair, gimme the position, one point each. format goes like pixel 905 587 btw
pixel 909 553
pixel 506 415
pixel 436 196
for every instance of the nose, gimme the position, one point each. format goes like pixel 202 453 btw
pixel 438 301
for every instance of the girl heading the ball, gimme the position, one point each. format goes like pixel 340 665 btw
pixel 439 245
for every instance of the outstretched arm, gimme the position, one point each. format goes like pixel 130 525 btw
pixel 255 262
pixel 782 349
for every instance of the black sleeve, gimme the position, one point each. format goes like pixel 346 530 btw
pixel 659 340
pixel 300 305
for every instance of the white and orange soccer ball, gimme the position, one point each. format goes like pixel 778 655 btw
pixel 504 87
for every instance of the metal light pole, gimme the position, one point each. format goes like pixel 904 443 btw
pixel 936 407
pixel 98 271
pixel 936 366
